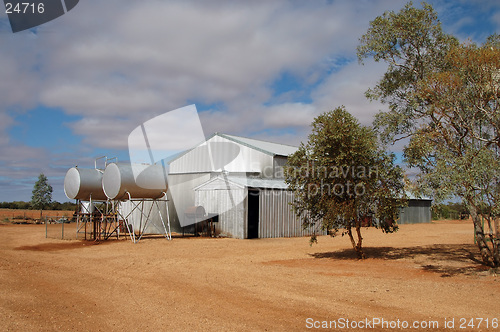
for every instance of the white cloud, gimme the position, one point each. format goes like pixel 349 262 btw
pixel 496 19
pixel 288 115
pixel 101 100
pixel 104 132
pixel 348 86
pixel 135 60
pixel 118 63
pixel 5 122
pixel 467 19
pixel 121 57
pixel 17 84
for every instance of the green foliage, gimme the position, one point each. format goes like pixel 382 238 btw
pixel 15 205
pixel 66 206
pixel 454 211
pixel 341 176
pixel 42 193
pixel 413 44
pixel 20 205
pixel 444 97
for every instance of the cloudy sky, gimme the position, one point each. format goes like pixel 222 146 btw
pixel 74 89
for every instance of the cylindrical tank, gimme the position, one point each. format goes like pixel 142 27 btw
pixel 141 181
pixel 84 184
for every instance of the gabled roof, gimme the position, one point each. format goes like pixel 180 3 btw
pixel 220 183
pixel 412 196
pixel 275 149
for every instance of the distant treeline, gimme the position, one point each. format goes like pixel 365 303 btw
pixel 450 211
pixel 66 206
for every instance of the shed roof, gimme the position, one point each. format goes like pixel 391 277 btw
pixel 270 148
pixel 276 149
pixel 412 196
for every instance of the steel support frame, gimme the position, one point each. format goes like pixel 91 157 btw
pixel 145 217
pixel 103 225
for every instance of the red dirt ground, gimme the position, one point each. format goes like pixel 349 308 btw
pixel 422 273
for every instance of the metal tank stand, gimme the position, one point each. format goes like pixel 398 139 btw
pixel 136 233
pixel 97 222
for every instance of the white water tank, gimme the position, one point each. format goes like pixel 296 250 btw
pixel 138 180
pixel 84 184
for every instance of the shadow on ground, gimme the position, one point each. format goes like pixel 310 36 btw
pixel 445 259
pixel 61 245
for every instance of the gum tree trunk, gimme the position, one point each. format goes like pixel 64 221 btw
pixel 489 255
pixel 357 246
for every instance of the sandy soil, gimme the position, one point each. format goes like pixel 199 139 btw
pixel 423 273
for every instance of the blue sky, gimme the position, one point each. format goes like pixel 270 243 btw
pixel 73 89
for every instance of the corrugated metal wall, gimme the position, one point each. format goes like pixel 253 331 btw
pixel 242 158
pixel 417 211
pixel 232 219
pixel 183 196
pixel 276 216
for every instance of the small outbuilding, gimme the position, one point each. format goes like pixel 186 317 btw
pixel 417 211
pixel 241 180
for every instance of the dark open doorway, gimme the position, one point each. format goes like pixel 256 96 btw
pixel 253 214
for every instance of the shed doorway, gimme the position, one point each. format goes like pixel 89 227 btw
pixel 253 214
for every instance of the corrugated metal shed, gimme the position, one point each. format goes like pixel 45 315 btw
pixel 264 204
pixel 223 154
pixel 417 211
pixel 220 153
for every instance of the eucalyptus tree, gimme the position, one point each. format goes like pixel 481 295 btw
pixel 443 97
pixel 342 177
pixel 41 194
